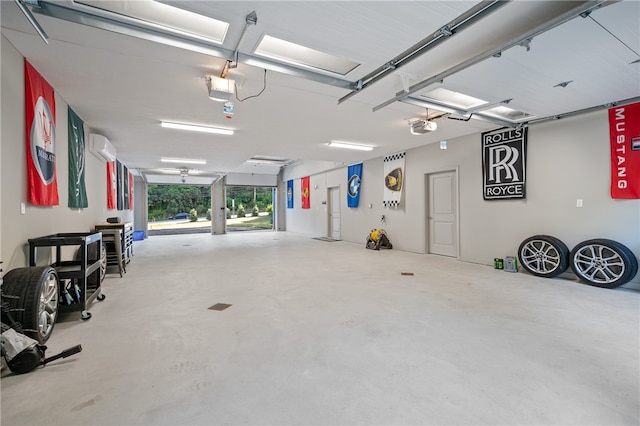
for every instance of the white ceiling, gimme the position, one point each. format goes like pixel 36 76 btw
pixel 122 86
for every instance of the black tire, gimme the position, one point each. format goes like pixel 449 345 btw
pixel 543 256
pixel 603 263
pixel 91 254
pixel 33 296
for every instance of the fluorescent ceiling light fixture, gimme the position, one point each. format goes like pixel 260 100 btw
pixel 349 145
pixel 506 113
pixel 183 160
pixel 265 159
pixel 197 128
pixel 167 17
pixel 454 99
pixel 170 171
pixel 296 54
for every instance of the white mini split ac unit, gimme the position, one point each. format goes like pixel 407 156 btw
pixel 101 147
pixel 421 127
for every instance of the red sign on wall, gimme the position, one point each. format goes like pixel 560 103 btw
pixel 306 194
pixel 624 134
pixel 40 118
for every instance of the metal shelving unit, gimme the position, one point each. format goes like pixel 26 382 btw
pixel 126 238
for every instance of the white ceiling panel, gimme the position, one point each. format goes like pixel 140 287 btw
pixel 123 86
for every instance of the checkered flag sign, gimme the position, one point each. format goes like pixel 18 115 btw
pixel 393 179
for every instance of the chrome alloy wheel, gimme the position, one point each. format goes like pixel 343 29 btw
pixel 540 256
pixel 598 264
pixel 48 306
pixel 544 256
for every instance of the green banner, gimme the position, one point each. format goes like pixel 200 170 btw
pixel 77 189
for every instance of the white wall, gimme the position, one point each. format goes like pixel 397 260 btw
pixel 251 179
pixel 16 228
pixel 567 160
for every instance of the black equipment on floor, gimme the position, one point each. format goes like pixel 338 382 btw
pixel 378 239
pixel 24 354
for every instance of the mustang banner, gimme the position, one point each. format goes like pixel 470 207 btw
pixel 504 155
pixel 77 189
pixel 354 181
pixel 112 185
pixel 393 179
pixel 290 194
pixel 306 195
pixel 624 133
pixel 40 119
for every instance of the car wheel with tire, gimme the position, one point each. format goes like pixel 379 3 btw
pixel 32 296
pixel 603 263
pixel 544 256
pixel 91 254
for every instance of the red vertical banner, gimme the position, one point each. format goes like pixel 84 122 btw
pixel 40 119
pixel 111 185
pixel 130 191
pixel 306 194
pixel 624 134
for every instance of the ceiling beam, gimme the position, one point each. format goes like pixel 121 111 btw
pixel 582 111
pixel 457 111
pixel 558 20
pixel 468 18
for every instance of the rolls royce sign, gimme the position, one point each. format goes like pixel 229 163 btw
pixel 504 164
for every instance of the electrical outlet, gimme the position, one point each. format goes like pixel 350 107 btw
pixel 578 202
pixel 23 208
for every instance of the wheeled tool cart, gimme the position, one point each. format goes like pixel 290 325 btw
pixel 80 278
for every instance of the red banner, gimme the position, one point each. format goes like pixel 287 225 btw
pixel 111 185
pixel 306 199
pixel 40 119
pixel 624 133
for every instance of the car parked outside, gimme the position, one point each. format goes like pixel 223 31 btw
pixel 180 216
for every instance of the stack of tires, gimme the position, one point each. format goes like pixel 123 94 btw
pixel 598 262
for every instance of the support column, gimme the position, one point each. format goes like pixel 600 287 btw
pixel 140 205
pixel 280 204
pixel 219 207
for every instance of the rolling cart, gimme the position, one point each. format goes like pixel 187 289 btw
pixel 77 291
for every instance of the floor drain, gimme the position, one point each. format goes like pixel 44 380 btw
pixel 219 306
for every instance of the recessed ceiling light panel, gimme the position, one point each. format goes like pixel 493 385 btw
pixel 164 16
pixel 507 113
pixel 454 99
pixel 296 54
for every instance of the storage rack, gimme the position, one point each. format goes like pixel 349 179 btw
pixel 80 269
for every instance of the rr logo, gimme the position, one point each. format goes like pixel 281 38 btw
pixel 501 162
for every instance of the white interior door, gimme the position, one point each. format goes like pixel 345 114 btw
pixel 443 214
pixel 334 213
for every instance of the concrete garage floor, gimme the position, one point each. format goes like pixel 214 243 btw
pixel 331 333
